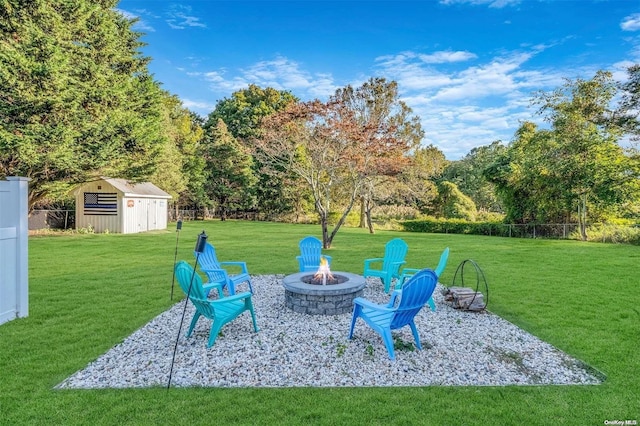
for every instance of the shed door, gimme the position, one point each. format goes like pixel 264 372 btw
pixel 152 217
pixel 143 216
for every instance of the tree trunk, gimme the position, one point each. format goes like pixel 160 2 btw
pixel 582 217
pixel 326 238
pixel 363 210
pixel 223 211
pixel 367 210
pixel 370 222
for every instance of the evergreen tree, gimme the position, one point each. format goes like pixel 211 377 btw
pixel 181 163
pixel 76 99
pixel 243 113
pixel 230 179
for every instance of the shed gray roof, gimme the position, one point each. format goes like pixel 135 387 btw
pixel 143 189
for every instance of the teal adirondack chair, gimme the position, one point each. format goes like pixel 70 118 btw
pixel 217 271
pixel 408 272
pixel 310 253
pixel 389 265
pixel 220 311
pixel 384 318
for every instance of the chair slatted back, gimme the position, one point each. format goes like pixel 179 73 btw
pixel 415 294
pixel 208 259
pixel 184 272
pixel 394 251
pixel 310 250
pixel 443 262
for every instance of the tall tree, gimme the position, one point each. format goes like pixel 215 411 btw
pixel 591 164
pixel 243 113
pixel 452 203
pixel 245 109
pixel 181 163
pixel 468 174
pixel 418 179
pixel 388 130
pixel 76 99
pixel 526 181
pixel 574 167
pixel 320 143
pixel 230 179
pixel 626 116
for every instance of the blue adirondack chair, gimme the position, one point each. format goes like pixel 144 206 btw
pixel 384 318
pixel 310 253
pixel 217 273
pixel 389 265
pixel 220 311
pixel 408 272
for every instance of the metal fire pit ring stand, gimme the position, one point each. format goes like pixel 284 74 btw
pixel 480 279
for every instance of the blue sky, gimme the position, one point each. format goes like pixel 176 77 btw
pixel 468 68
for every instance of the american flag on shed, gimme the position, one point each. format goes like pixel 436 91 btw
pixel 101 203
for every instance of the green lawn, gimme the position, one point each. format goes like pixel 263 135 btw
pixel 89 292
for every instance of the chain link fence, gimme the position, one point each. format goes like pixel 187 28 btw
pixel 52 219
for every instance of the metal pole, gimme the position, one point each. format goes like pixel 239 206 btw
pixel 175 255
pixel 200 244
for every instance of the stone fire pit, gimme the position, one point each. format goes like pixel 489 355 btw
pixel 318 299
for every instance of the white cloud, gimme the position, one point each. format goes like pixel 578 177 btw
pixel 409 71
pixel 218 83
pixel 497 4
pixel 446 56
pixel 198 106
pixel 179 17
pixel 464 107
pixel 323 86
pixel 279 73
pixel 631 22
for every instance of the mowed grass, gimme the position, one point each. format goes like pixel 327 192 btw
pixel 89 292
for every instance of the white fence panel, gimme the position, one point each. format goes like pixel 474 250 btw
pixel 14 234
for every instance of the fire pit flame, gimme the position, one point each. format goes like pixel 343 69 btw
pixel 324 272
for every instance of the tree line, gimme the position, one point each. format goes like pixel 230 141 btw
pixel 78 102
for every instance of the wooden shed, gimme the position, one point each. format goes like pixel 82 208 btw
pixel 115 205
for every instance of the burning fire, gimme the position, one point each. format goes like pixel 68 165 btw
pixel 323 271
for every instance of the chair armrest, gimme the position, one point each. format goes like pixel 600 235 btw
pixel 404 274
pixel 242 265
pixel 397 265
pixel 368 262
pixel 209 286
pixel 368 304
pixel 395 298
pixel 410 271
pixel 233 297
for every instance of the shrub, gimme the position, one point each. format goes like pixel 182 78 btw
pixel 611 233
pixel 352 220
pixel 455 226
pixel 394 212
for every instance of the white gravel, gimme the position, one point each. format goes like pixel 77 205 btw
pixel 291 349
